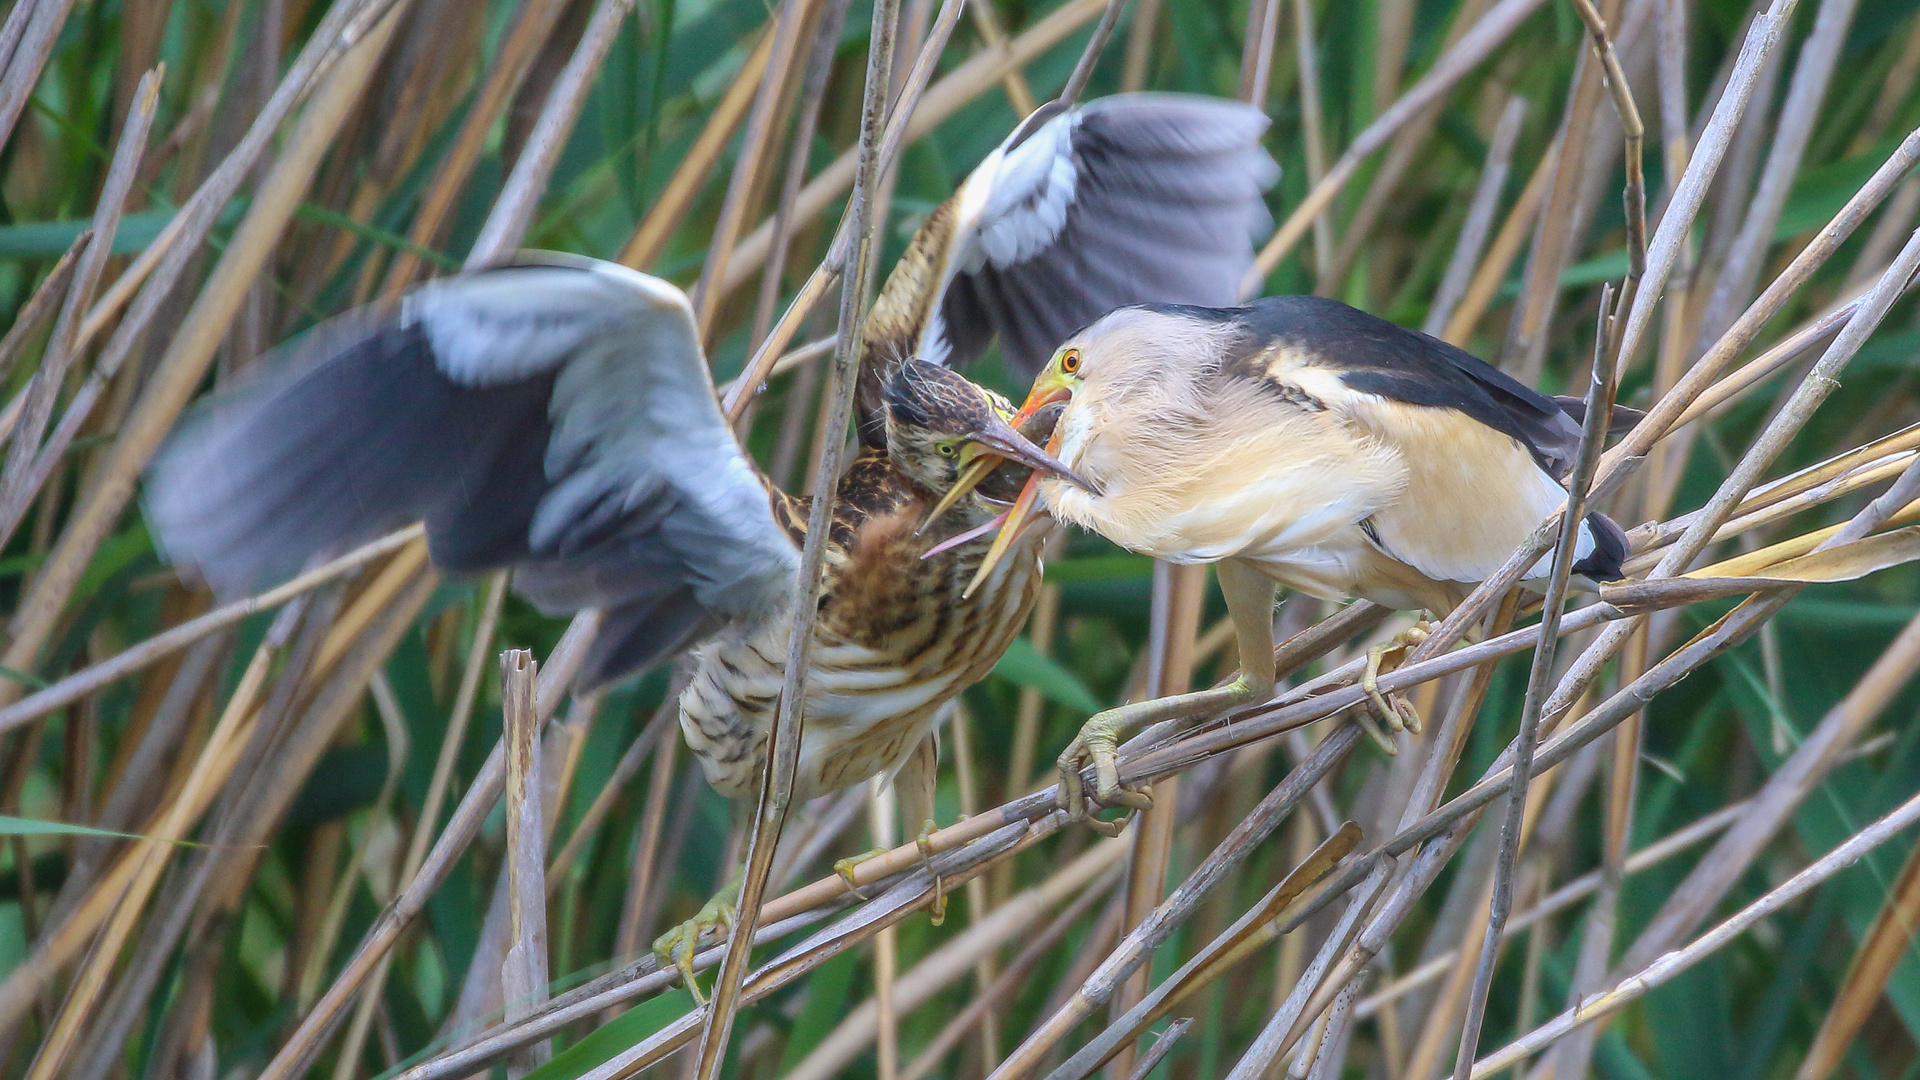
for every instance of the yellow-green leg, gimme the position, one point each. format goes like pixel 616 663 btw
pixel 1249 595
pixel 1393 710
pixel 678 945
pixel 913 785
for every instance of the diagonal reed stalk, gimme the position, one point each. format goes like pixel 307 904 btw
pixel 1762 331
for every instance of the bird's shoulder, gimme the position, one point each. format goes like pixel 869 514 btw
pixel 1315 352
pixel 870 492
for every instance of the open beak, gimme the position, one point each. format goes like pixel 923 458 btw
pixel 987 448
pixel 1016 520
pixel 1047 389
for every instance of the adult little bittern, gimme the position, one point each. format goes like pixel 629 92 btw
pixel 1297 442
pixel 558 418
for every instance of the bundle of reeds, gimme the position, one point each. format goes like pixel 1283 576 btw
pixel 260 839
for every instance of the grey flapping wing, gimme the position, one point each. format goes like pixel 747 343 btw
pixel 554 417
pixel 1136 198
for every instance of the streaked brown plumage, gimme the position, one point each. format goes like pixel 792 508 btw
pixel 558 417
pixel 893 642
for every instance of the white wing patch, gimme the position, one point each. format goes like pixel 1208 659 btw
pixel 1016 203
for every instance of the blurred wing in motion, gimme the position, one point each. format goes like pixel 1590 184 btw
pixel 1136 198
pixel 555 416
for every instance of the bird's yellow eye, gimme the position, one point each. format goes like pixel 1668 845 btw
pixel 1070 361
pixel 948 450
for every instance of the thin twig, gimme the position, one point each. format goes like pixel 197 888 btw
pixel 783 740
pixel 1680 960
pixel 1592 438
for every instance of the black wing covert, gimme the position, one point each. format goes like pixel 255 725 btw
pixel 1375 356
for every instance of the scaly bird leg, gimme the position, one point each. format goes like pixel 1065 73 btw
pixel 677 946
pixel 1249 595
pixel 913 785
pixel 1395 711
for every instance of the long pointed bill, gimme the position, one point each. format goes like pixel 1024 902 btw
pixel 1016 519
pixel 998 442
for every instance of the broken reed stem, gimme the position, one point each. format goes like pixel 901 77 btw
pixel 523 975
pixel 297 1054
pixel 1599 408
pixel 783 740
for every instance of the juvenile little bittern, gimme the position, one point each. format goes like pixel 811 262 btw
pixel 558 418
pixel 1296 442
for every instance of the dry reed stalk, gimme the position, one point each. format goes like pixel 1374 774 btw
pixel 1556 902
pixel 297 1053
pixel 523 976
pixel 513 210
pixel 1401 156
pixel 783 740
pixel 46 299
pixel 898 902
pixel 352 45
pixel 1174 624
pixel 1886 941
pixel 17 486
pixel 532 25
pixel 966 774
pixel 1479 221
pixel 986 22
pixel 881 808
pixel 632 932
pixel 812 95
pixel 32 29
pixel 1514 231
pixel 1818 753
pixel 1600 396
pixel 1254 929
pixel 1256 56
pixel 659 728
pixel 980 1009
pixel 756 142
pixel 1473 48
pixel 1787 143
pixel 670 207
pixel 1553 240
pixel 1679 960
pixel 1138 945
pixel 145 861
pixel 975 76
pixel 154 649
pixel 1312 135
pixel 954 959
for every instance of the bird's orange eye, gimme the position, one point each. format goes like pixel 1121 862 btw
pixel 1070 361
